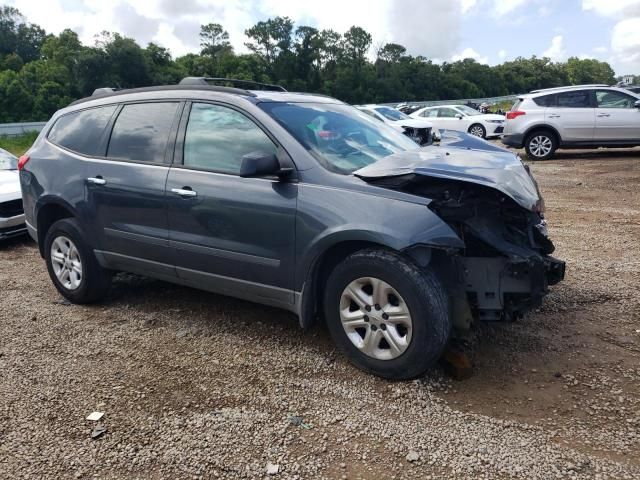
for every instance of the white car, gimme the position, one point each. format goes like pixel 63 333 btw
pixel 11 211
pixel 463 119
pixel 418 129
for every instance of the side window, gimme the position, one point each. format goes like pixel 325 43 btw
pixel 141 132
pixel 546 100
pixel 218 137
pixel 447 113
pixel 574 99
pixel 613 99
pixel 432 113
pixel 81 131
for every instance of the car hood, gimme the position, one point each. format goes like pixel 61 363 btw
pixel 9 185
pixel 413 123
pixel 491 167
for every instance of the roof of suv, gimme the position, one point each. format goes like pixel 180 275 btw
pixel 549 91
pixel 166 91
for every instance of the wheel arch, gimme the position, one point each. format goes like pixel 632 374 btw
pixel 310 298
pixel 541 127
pixel 49 211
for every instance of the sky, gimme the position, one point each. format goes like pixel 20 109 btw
pixel 490 31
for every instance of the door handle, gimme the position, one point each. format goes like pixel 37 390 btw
pixel 96 180
pixel 184 192
pixel 554 116
pixel 604 115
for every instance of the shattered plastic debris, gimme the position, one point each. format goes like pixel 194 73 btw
pixel 272 468
pixel 98 432
pixel 95 416
pixel 299 422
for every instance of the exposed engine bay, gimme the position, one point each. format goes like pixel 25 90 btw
pixel 505 267
pixel 422 136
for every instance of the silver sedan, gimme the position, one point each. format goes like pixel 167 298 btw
pixel 11 210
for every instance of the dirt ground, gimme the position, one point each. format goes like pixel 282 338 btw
pixel 195 385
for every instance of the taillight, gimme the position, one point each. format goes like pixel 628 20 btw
pixel 515 114
pixel 22 161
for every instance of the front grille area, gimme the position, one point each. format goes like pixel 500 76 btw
pixel 499 129
pixel 11 208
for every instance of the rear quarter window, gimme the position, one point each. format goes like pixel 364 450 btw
pixel 141 132
pixel 82 131
pixel 546 100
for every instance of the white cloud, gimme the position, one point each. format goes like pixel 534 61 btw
pixel 625 44
pixel 601 49
pixel 504 7
pixel 556 51
pixel 469 53
pixel 502 54
pixel 468 5
pixel 544 11
pixel 612 8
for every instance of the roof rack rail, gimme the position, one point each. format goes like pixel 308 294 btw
pixel 569 87
pixel 110 92
pixel 234 81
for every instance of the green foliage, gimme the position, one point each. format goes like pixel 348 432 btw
pixel 18 144
pixel 41 73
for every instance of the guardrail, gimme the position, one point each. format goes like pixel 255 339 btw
pixel 14 129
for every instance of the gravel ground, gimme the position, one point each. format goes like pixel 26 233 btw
pixel 195 385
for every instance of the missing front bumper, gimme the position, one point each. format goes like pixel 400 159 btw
pixel 500 288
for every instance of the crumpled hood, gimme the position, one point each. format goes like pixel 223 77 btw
pixel 9 185
pixel 492 167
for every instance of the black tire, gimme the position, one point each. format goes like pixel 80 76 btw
pixel 424 296
pixel 480 128
pixel 95 281
pixel 547 138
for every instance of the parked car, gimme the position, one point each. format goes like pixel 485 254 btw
pixel 11 212
pixel 463 119
pixel 582 116
pixel 293 200
pixel 418 129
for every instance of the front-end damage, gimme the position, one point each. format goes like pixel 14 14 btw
pixel 491 201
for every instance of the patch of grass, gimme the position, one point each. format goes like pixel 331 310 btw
pixel 18 144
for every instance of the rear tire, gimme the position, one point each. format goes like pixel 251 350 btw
pixel 541 145
pixel 72 265
pixel 417 324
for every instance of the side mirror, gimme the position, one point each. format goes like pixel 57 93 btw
pixel 459 116
pixel 637 104
pixel 260 164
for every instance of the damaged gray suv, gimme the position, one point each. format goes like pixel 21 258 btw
pixel 292 200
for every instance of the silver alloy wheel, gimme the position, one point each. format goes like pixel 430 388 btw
pixel 477 130
pixel 540 145
pixel 66 263
pixel 376 318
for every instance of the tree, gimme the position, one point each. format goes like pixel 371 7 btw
pixel 391 52
pixel 214 40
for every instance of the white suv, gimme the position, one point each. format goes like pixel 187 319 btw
pixel 581 116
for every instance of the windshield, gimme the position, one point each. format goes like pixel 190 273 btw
pixel 340 137
pixel 467 110
pixel 391 113
pixel 8 161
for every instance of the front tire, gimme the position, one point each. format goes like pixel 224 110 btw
pixel 541 145
pixel 386 315
pixel 72 265
pixel 478 130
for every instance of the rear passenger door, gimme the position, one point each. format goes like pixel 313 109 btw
pixel 617 118
pixel 230 234
pixel 126 188
pixel 573 115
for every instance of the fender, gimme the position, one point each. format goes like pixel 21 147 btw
pixel 356 216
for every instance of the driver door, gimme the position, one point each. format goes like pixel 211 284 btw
pixel 229 234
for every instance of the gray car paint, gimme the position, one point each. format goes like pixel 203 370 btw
pixel 214 251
